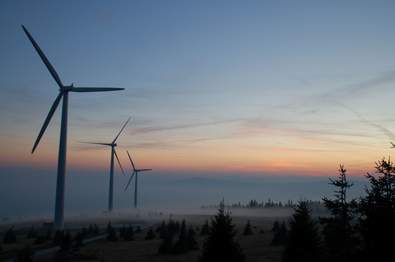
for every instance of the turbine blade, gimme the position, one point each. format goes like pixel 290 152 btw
pixel 115 139
pixel 47 120
pixel 131 161
pixel 142 170
pixel 44 58
pixel 94 143
pixel 119 162
pixel 130 181
pixel 96 89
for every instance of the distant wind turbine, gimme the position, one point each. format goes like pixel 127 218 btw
pixel 134 174
pixel 113 144
pixel 63 93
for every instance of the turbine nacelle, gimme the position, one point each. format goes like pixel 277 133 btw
pixel 66 88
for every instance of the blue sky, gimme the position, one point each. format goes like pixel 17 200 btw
pixel 279 87
pixel 212 70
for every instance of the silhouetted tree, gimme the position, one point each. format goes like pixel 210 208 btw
pixel 58 237
pixel 31 233
pixel 280 234
pixel 205 229
pixel 339 237
pixel 128 234
pixel 25 254
pixel 166 245
pixel 247 229
pixel 303 239
pixel 276 226
pixel 160 228
pixel 78 239
pixel 111 233
pixel 138 230
pixel 191 241
pixel 377 223
pixel 9 236
pixel 62 239
pixel 220 244
pixel 181 245
pixel 150 234
pixel 48 235
pixel 66 241
pixel 96 229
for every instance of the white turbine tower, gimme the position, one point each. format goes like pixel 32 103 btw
pixel 63 93
pixel 113 144
pixel 134 174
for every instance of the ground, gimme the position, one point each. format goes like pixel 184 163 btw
pixel 256 247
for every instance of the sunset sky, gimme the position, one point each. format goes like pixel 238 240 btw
pixel 212 86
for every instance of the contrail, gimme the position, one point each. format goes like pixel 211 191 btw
pixel 380 128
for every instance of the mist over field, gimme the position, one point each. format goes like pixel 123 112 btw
pixel 27 194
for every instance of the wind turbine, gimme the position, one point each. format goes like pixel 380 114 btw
pixel 135 173
pixel 113 144
pixel 63 93
pixel 392 145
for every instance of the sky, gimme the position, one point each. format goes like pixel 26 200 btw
pixel 214 88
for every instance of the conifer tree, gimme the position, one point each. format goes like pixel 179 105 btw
pixel 191 241
pixel 338 232
pixel 9 236
pixel 150 234
pixel 280 234
pixel 111 233
pixel 205 229
pixel 25 254
pixel 31 233
pixel 166 245
pixel 181 245
pixel 220 244
pixel 303 240
pixel 247 229
pixel 377 223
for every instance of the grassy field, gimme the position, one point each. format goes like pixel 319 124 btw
pixel 256 246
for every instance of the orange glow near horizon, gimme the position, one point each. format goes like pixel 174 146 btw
pixel 241 156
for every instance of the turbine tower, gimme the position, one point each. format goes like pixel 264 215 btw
pixel 63 93
pixel 113 144
pixel 134 174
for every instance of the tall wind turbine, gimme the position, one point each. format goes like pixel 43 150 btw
pixel 134 174
pixel 113 144
pixel 63 93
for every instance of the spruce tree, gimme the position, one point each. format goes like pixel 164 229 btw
pixel 128 234
pixel 10 236
pixel 181 245
pixel 111 233
pixel 31 233
pixel 303 240
pixel 191 241
pixel 166 245
pixel 377 223
pixel 150 234
pixel 247 229
pixel 280 234
pixel 338 231
pixel 205 229
pixel 25 254
pixel 220 244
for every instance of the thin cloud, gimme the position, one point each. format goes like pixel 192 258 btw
pixel 385 131
pixel 159 128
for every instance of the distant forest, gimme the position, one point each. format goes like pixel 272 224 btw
pixel 268 204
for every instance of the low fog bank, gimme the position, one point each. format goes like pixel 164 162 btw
pixel 26 195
